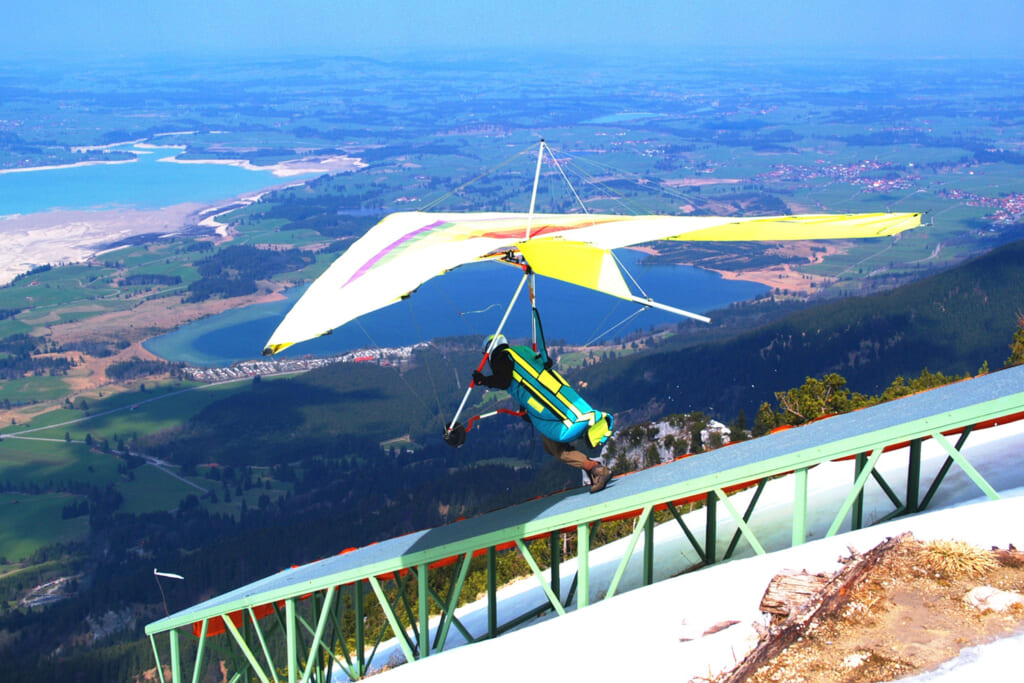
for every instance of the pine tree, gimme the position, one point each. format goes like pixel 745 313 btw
pixel 652 457
pixel 1017 345
pixel 765 420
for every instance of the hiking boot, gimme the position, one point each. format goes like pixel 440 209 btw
pixel 599 477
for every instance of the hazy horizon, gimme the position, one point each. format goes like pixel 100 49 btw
pixel 115 30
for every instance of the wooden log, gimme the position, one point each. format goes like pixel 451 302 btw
pixel 825 601
pixel 791 590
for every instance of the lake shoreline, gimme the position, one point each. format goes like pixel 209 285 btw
pixel 62 236
pixel 461 303
pixel 304 166
pixel 65 236
pixel 77 164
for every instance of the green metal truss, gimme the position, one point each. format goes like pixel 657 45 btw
pixel 314 629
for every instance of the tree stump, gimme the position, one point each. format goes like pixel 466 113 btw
pixel 800 598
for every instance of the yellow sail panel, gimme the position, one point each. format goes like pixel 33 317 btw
pixel 576 263
pixel 814 227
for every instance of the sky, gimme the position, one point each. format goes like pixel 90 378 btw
pixel 117 29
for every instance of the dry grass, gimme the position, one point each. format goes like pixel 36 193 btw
pixel 956 559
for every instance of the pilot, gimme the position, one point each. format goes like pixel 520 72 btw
pixel 560 415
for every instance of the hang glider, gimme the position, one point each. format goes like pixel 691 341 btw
pixel 406 249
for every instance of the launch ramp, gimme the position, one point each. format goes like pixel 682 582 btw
pixel 312 622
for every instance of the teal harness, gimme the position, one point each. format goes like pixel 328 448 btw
pixel 553 406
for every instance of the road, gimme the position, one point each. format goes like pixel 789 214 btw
pixel 161 465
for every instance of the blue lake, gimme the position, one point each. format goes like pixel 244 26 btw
pixel 469 300
pixel 146 183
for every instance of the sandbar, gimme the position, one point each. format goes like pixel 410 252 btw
pixel 68 236
pixel 285 169
pixel 97 162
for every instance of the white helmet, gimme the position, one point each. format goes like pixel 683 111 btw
pixel 498 340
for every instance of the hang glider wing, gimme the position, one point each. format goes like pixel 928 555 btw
pixel 577 263
pixel 814 227
pixel 406 249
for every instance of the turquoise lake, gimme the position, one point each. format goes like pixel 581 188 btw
pixel 469 300
pixel 147 183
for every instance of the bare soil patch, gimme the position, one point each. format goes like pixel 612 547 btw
pixel 786 277
pixel 146 320
pixel 905 615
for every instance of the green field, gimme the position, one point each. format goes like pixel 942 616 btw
pixel 58 287
pixel 26 389
pixel 13 326
pixel 44 459
pixel 135 413
pixel 29 522
pixel 24 462
pixel 152 490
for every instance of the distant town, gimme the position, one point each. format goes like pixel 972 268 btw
pixel 1008 208
pixel 279 366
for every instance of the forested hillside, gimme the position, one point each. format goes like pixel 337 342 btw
pixel 953 322
pixel 341 410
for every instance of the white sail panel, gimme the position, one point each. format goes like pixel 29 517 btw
pixel 406 249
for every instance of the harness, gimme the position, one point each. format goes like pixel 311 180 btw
pixel 553 406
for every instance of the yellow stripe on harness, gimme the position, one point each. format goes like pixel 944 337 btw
pixel 538 399
pixel 598 432
pixel 549 379
pixel 550 382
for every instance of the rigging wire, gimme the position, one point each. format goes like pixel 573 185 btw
pixel 451 193
pixel 618 261
pixel 558 166
pixel 481 310
pixel 631 278
pixel 590 180
pixel 461 314
pixel 578 163
pixel 430 375
pixel 908 196
pixel 615 326
pixel 408 386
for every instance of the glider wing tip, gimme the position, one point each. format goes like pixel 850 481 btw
pixel 271 349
